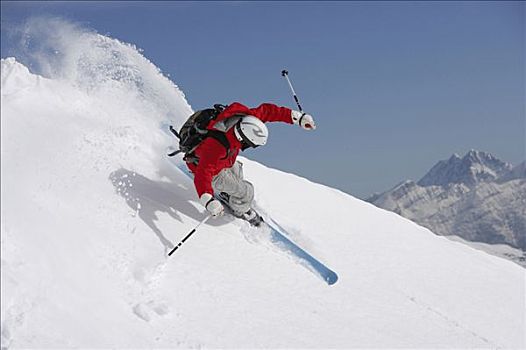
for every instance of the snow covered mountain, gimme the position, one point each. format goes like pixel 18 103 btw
pixel 91 204
pixel 474 168
pixel 477 197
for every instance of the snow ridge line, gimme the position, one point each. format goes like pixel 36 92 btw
pixel 449 320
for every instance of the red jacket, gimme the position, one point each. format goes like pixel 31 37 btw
pixel 213 156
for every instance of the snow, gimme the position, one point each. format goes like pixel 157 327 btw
pixel 91 205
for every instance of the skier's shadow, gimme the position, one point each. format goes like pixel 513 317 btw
pixel 147 198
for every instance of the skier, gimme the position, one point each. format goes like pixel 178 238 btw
pixel 214 165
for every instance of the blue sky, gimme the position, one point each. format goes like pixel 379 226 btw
pixel 394 86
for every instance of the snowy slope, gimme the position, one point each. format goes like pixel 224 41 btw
pixel 90 205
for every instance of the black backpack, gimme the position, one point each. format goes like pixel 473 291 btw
pixel 194 131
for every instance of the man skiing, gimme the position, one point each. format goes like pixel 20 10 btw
pixel 213 162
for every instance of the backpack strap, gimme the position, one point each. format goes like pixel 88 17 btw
pixel 219 108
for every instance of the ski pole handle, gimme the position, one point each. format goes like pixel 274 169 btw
pixel 176 134
pixel 189 234
pixel 285 74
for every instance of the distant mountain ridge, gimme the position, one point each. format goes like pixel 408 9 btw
pixel 473 168
pixel 477 197
pixel 518 172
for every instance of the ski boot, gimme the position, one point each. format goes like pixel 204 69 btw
pixel 251 216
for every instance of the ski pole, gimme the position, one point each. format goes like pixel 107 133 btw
pixel 189 234
pixel 176 134
pixel 285 74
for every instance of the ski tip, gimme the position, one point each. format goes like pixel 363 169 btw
pixel 331 278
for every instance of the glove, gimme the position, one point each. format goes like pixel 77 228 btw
pixel 212 205
pixel 303 119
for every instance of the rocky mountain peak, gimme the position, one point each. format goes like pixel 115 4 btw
pixel 473 168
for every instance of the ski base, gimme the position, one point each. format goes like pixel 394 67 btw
pixel 279 238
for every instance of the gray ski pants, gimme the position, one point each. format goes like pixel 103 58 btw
pixel 230 180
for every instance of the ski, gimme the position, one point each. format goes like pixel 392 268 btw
pixel 279 238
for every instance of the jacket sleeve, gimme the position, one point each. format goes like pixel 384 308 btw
pixel 211 151
pixel 269 112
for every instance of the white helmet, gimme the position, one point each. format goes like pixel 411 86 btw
pixel 251 131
